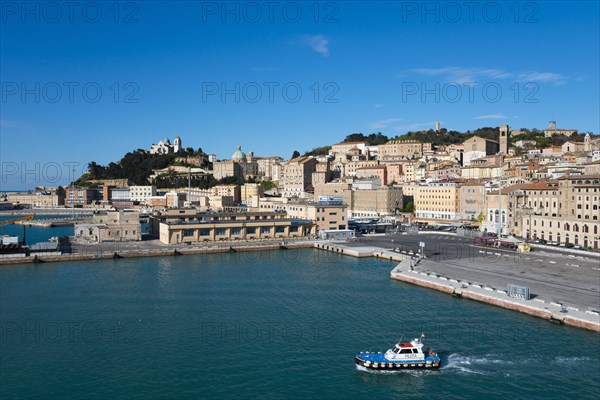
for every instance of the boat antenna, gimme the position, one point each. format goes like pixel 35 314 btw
pixel 422 336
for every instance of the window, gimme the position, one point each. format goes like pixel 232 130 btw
pixel 236 231
pixel 186 232
pixel 220 232
pixel 279 229
pixel 293 229
pixel 265 229
pixel 204 232
pixel 251 231
pixel 405 351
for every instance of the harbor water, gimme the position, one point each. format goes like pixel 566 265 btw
pixel 35 234
pixel 273 324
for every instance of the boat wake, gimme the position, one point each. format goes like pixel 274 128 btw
pixel 471 364
pixel 570 360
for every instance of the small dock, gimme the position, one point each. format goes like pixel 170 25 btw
pixel 53 222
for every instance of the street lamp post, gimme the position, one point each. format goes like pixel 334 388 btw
pixel 499 227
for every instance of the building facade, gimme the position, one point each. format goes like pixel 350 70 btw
pixel 198 227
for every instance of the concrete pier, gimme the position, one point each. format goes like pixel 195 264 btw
pixel 538 307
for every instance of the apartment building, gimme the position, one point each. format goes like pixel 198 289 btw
pixel 566 210
pixel 472 198
pixel 297 177
pixel 328 213
pixel 437 202
pixel 403 148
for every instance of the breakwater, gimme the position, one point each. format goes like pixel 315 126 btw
pixel 117 252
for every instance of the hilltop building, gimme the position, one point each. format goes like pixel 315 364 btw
pixel 551 131
pixel 165 146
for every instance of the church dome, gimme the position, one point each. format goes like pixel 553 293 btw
pixel 238 155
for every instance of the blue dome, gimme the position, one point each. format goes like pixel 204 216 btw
pixel 238 155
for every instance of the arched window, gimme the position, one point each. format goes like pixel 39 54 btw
pixel 595 229
pixel 585 229
pixel 576 228
pixel 567 227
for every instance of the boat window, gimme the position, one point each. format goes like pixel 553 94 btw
pixel 396 350
pixel 405 351
pixel 415 351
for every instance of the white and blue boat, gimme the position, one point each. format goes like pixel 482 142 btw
pixel 404 355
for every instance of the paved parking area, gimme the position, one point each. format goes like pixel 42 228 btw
pixel 551 275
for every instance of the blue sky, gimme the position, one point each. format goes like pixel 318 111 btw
pixel 96 80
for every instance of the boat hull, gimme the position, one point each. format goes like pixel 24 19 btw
pixel 431 363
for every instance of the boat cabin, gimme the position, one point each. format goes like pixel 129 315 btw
pixel 406 351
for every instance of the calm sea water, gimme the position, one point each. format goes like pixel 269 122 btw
pixel 282 324
pixel 35 234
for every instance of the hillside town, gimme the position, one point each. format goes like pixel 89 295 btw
pixel 508 186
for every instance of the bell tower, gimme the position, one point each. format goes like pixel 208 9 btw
pixel 504 133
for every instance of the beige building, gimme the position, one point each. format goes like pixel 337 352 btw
pixel 373 172
pixel 195 227
pixel 481 171
pixel 297 177
pixel 496 207
pixel 111 226
pixel 322 173
pixel 332 189
pixel 249 190
pixel 437 202
pixel 351 167
pixel 37 200
pixel 326 215
pixel 478 147
pixel 572 147
pixel 551 131
pixel 566 210
pixel 395 173
pixel 380 202
pixel 472 201
pixel 345 147
pixel 141 193
pixel 402 148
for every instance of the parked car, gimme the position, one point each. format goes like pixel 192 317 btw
pixel 569 245
pixel 578 247
pixel 542 241
pixel 562 244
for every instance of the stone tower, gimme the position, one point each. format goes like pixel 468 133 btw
pixel 504 133
pixel 177 144
pixel 587 142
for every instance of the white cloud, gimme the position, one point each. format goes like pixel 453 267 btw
pixel 550 77
pixel 491 116
pixel 318 43
pixel 384 123
pixel 464 75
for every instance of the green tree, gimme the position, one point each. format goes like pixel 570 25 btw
pixel 295 154
pixel 267 185
pixel 60 191
pixel 410 207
